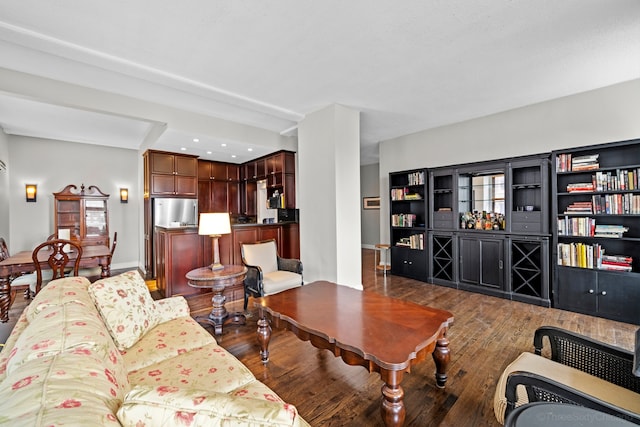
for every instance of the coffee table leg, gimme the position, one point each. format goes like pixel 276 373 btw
pixel 392 405
pixel 264 335
pixel 441 356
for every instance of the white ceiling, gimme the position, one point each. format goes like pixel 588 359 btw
pixel 406 65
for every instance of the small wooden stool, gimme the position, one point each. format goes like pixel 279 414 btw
pixel 378 258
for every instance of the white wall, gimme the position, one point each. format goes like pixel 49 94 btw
pixel 603 115
pixel 370 218
pixel 4 186
pixel 52 165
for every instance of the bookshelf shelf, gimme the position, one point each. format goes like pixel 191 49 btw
pixel 596 239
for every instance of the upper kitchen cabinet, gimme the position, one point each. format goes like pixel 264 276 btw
pixel 218 187
pixel 169 174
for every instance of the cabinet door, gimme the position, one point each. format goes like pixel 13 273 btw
pixel 575 289
pixel 469 260
pixel 251 198
pixel 186 185
pixel 186 166
pixel 492 265
pixel 482 261
pixel 233 172
pixel 162 163
pixel 204 196
pixel 240 236
pixel 204 170
pixel 219 196
pixel 219 171
pixel 162 184
pixel 266 233
pixel 618 294
pixel 233 196
pixel 261 168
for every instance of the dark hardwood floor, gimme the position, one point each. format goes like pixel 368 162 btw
pixel 488 333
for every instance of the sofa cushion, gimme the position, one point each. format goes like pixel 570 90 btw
pixel 171 308
pixel 60 291
pixel 209 367
pixel 278 281
pixel 574 378
pixel 66 389
pixel 126 307
pixel 169 405
pixel 166 340
pixel 68 328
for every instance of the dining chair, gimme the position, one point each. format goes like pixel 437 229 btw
pixel 18 281
pixel 59 251
pixel 95 272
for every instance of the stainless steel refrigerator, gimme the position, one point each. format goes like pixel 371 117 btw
pixel 172 213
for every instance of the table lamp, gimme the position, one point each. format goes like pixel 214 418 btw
pixel 214 225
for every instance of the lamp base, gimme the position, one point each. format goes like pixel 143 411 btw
pixel 216 266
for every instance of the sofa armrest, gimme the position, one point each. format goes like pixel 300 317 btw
pixel 171 308
pixel 289 264
pixel 596 358
pixel 543 389
pixel 170 405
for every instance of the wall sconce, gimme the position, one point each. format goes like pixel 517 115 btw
pixel 124 195
pixel 32 192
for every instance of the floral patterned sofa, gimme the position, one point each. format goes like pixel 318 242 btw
pixel 105 353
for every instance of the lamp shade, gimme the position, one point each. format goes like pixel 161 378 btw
pixel 212 224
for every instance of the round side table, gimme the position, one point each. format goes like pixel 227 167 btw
pixel 218 280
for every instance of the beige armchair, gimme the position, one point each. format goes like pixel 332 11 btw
pixel 267 273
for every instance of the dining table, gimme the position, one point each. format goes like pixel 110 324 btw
pixel 22 263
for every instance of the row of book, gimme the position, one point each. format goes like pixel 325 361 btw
pixel 404 194
pixel 568 162
pixel 623 179
pixel 584 255
pixel 416 178
pixel 403 220
pixel 607 204
pixel 587 227
pixel 415 241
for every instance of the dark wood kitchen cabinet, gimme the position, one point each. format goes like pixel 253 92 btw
pixel 218 187
pixel 169 174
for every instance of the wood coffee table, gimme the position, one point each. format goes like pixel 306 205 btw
pixel 383 334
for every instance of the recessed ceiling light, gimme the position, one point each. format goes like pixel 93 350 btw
pixel 249 149
pixel 223 144
pixel 183 149
pixel 196 140
pixel 208 152
pixel 233 156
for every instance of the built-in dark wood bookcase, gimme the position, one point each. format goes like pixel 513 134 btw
pixel 408 222
pixel 487 227
pixel 596 230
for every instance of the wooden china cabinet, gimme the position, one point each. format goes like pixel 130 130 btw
pixel 84 213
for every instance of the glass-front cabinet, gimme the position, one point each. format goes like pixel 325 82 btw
pixel 82 215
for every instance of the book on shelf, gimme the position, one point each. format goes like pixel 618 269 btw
pixel 404 194
pixel 416 178
pixel 415 241
pixel 591 256
pixel 403 220
pixel 579 208
pixel 616 204
pixel 580 187
pixel 588 162
pixel 610 231
pixel 622 179
pixel 581 226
